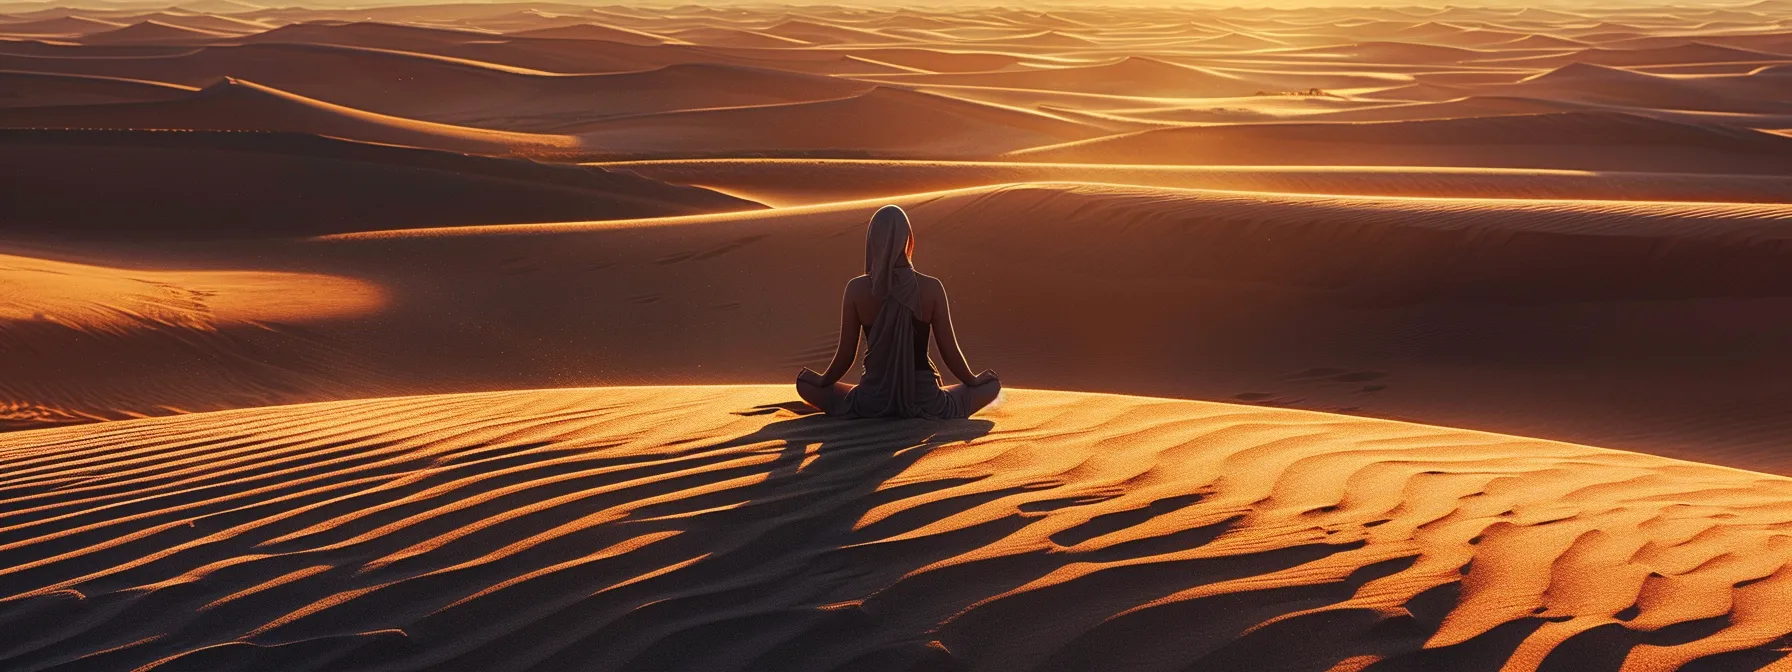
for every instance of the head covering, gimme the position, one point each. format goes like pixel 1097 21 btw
pixel 886 258
pixel 895 383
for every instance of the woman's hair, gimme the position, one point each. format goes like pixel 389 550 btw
pixel 889 242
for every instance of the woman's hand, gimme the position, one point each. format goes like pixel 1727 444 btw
pixel 984 378
pixel 810 377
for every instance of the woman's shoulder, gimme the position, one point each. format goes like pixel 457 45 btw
pixel 859 286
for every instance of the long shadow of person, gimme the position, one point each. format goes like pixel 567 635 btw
pixel 725 560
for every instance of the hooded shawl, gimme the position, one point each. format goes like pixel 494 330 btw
pixel 893 383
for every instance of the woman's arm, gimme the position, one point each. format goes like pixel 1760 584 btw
pixel 848 350
pixel 947 340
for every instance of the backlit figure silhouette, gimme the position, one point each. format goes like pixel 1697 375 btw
pixel 896 307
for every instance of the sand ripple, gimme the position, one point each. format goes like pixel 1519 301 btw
pixel 708 528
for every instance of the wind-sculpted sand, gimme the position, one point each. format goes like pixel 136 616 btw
pixel 791 182
pixel 1372 305
pixel 90 343
pixel 458 232
pixel 710 528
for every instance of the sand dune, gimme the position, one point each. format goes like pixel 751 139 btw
pixel 1050 39
pixel 1615 86
pixel 219 6
pixel 377 80
pixel 593 31
pixel 793 182
pixel 1396 52
pixel 883 122
pixel 942 60
pixel 153 32
pixel 1394 301
pixel 1695 52
pixel 67 25
pixel 32 89
pixel 235 104
pixel 206 22
pixel 734 37
pixel 1537 41
pixel 145 185
pixel 1358 284
pixel 1133 76
pixel 1239 41
pixel 821 33
pixel 457 91
pixel 631 528
pixel 217 330
pixel 692 86
pixel 1468 107
pixel 1576 140
pixel 369 34
pixel 588 56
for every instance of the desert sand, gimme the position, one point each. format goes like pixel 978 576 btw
pixel 442 336
pixel 712 528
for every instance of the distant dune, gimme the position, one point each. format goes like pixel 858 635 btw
pixel 64 25
pixel 942 60
pixel 234 104
pixel 1576 140
pixel 205 22
pixel 33 89
pixel 789 182
pixel 1693 52
pixel 450 90
pixel 145 185
pixel 1397 52
pixel 886 121
pixel 1472 106
pixel 593 31
pixel 708 528
pixel 369 34
pixel 150 32
pixel 1616 86
pixel 1133 76
pixel 733 37
pixel 821 33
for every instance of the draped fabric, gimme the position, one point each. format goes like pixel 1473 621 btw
pixel 893 383
pixel 887 258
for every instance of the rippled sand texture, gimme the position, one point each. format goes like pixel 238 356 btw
pixel 710 528
pixel 458 233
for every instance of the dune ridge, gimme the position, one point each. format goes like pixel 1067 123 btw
pixel 885 121
pixel 461 91
pixel 1586 140
pixel 234 104
pixel 227 184
pixel 152 31
pixel 625 528
pixel 36 89
pixel 790 182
